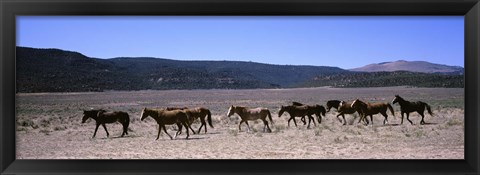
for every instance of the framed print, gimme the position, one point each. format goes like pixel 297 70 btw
pixel 239 87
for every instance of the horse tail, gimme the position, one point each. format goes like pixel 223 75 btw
pixel 269 116
pixel 429 109
pixel 391 110
pixel 209 118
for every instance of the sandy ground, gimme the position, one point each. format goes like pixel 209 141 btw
pixel 49 126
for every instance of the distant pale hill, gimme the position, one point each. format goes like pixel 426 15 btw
pixel 412 66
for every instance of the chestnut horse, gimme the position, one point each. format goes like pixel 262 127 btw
pixel 102 117
pixel 342 107
pixel 408 107
pixel 196 113
pixel 165 117
pixel 251 114
pixel 370 109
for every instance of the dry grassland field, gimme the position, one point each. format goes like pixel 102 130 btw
pixel 49 126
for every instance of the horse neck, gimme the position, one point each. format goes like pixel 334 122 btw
pixel 240 111
pixel 153 114
pixel 403 102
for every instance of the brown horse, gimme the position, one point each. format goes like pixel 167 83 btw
pixel 196 113
pixel 318 110
pixel 370 109
pixel 296 111
pixel 102 117
pixel 343 108
pixel 251 114
pixel 408 107
pixel 165 117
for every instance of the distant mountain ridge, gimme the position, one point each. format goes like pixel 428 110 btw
pixel 54 70
pixel 412 66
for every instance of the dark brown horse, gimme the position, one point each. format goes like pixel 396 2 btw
pixel 102 117
pixel 165 117
pixel 196 113
pixel 370 109
pixel 296 111
pixel 408 107
pixel 251 114
pixel 316 109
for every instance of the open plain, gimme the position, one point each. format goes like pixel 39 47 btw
pixel 49 126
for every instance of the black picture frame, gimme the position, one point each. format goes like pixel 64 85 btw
pixel 470 9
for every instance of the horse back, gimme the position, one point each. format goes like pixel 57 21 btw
pixel 172 117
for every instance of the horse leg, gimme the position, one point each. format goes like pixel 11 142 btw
pixel 125 129
pixel 340 120
pixel 165 130
pixel 105 127
pixel 402 119
pixel 385 121
pixel 204 124
pixel 186 127
pixel 248 126
pixel 96 128
pixel 309 121
pixel 303 120
pixel 313 119
pixel 159 129
pixel 423 121
pixel 190 126
pixel 289 121
pixel 371 119
pixel 294 121
pixel 266 124
pixel 239 129
pixel 179 131
pixel 408 118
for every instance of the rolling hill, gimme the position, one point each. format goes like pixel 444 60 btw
pixel 54 70
pixel 411 66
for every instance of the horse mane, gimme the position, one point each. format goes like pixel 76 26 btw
pixel 297 103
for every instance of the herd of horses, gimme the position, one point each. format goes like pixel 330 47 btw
pixel 184 117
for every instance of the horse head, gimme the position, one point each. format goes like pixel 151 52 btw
pixel 90 114
pixel 396 99
pixel 143 114
pixel 282 109
pixel 85 116
pixel 321 109
pixel 230 111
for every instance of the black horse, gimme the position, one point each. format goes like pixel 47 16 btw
pixel 102 117
pixel 407 107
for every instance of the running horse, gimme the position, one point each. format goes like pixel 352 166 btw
pixel 343 108
pixel 165 117
pixel 370 109
pixel 296 111
pixel 407 107
pixel 196 113
pixel 246 114
pixel 102 117
pixel 316 109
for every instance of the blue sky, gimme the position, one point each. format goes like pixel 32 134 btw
pixel 341 41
